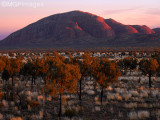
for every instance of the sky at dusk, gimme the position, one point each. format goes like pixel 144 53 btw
pixel 16 14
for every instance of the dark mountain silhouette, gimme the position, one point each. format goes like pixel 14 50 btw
pixel 78 29
pixel 60 28
pixel 120 28
pixel 157 30
pixel 143 29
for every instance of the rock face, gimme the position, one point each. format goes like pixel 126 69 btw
pixel 120 28
pixel 93 25
pixel 77 28
pixel 60 28
pixel 157 30
pixel 143 29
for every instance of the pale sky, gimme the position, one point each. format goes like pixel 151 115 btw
pixel 16 14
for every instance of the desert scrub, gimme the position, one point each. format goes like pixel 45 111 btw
pixel 70 113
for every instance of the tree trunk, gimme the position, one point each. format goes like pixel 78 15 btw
pixel 139 80
pixel 32 83
pixel 45 96
pixel 60 104
pixel 20 101
pixel 12 82
pixel 150 81
pixel 12 90
pixel 80 89
pixel 101 96
pixel 80 94
pixel 90 76
pixel 32 80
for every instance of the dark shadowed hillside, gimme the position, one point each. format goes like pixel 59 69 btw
pixel 120 28
pixel 79 29
pixel 143 29
pixel 157 30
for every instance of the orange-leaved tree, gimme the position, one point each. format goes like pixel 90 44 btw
pixel 13 66
pixel 107 73
pixel 85 69
pixel 42 67
pixel 128 63
pixel 2 65
pixel 149 67
pixel 65 81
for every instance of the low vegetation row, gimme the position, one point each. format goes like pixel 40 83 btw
pixel 59 76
